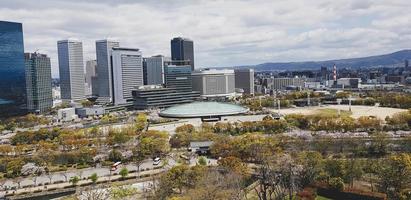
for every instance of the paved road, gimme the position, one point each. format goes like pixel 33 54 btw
pixel 61 176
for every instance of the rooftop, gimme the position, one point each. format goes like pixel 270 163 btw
pixel 203 109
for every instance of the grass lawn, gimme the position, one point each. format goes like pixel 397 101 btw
pixel 332 112
pixel 322 198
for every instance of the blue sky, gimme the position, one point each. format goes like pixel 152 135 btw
pixel 225 33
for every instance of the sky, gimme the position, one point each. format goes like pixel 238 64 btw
pixel 225 32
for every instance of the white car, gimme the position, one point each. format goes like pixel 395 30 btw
pixel 156 161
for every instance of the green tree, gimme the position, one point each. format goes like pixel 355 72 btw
pixel 93 178
pixel 140 122
pixel 115 156
pixel 123 172
pixel 312 165
pixel 74 180
pixel 395 174
pixel 202 161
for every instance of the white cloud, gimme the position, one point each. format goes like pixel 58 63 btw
pixel 225 32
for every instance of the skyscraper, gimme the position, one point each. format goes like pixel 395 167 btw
pixel 154 69
pixel 127 73
pixel 244 79
pixel 91 78
pixel 12 70
pixel 183 49
pixel 38 82
pixel 71 69
pixel 104 69
pixel 178 77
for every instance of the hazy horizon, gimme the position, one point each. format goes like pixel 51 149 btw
pixel 225 33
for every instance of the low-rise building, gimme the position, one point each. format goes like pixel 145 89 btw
pixel 66 114
pixel 157 96
pixel 90 111
pixel 214 83
pixel 201 147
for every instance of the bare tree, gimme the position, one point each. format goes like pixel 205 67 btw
pixel 95 193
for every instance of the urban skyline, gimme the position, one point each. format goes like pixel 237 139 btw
pixel 286 33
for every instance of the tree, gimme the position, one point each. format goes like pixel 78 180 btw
pixel 93 178
pixel 234 164
pixel 202 161
pixel 86 103
pixel 336 183
pixel 395 174
pixel 140 122
pixel 74 180
pixel 123 172
pixel 115 156
pixel 13 168
pixel 312 166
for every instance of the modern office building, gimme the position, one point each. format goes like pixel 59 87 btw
pixel 38 83
pixel 154 69
pixel 91 78
pixel 244 79
pixel 12 70
pixel 183 49
pixel 283 83
pixel 127 73
pixel 71 69
pixel 178 77
pixel 104 69
pixel 157 96
pixel 214 83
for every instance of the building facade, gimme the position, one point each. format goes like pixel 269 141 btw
pixel 157 96
pixel 244 79
pixel 178 77
pixel 12 70
pixel 91 78
pixel 154 70
pixel 183 49
pixel 214 83
pixel 127 73
pixel 104 69
pixel 283 83
pixel 38 83
pixel 71 69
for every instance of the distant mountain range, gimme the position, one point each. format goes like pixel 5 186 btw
pixel 395 58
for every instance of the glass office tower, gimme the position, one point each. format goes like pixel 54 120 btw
pixel 182 49
pixel 12 70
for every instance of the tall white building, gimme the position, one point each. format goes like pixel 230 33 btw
pixel 127 73
pixel 104 69
pixel 155 69
pixel 91 77
pixel 71 69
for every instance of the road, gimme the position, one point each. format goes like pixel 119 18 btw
pixel 57 177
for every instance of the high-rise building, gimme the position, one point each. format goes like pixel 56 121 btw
pixel 214 83
pixel 178 77
pixel 91 78
pixel 183 49
pixel 244 79
pixel 12 70
pixel 127 73
pixel 71 69
pixel 38 82
pixel 154 69
pixel 104 69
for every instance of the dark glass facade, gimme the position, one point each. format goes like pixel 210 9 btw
pixel 183 49
pixel 12 70
pixel 178 77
